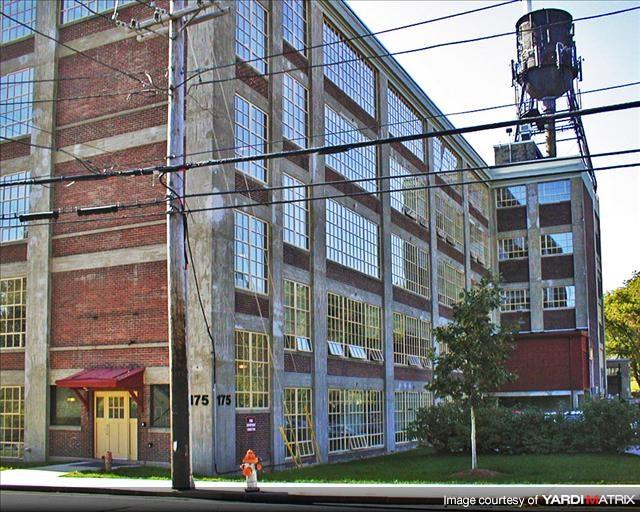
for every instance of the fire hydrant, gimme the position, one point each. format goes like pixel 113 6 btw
pixel 250 467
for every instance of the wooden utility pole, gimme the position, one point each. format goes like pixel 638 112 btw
pixel 181 477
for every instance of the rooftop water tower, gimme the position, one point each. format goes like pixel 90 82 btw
pixel 547 69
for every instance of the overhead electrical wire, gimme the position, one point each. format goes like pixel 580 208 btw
pixel 330 149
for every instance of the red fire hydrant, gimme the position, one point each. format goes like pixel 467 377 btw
pixel 250 467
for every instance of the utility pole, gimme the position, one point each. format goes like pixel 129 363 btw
pixel 181 476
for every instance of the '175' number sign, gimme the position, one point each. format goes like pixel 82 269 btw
pixel 204 399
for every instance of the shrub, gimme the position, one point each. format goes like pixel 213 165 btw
pixel 604 427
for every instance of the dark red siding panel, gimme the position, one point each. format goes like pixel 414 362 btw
pixel 518 320
pixel 17 49
pixel 356 110
pixel 511 219
pixel 248 74
pixel 557 267
pixel 354 278
pixel 258 441
pixel 449 190
pixel 297 363
pixel 514 271
pixel 555 214
pixel 368 200
pixel 410 225
pixel 352 368
pixel 559 319
pixel 295 256
pixel 412 373
pixel 15 148
pixel 411 299
pixel 251 304
pixel 13 252
pixel 450 251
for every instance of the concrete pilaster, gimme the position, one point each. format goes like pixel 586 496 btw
pixel 36 397
pixel 467 229
pixel 579 255
pixel 318 239
pixel 433 237
pixel 535 271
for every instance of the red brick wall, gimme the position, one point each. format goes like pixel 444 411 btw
pixel 555 214
pixel 11 360
pixel 354 278
pixel 410 225
pixel 295 256
pixel 74 443
pixel 550 362
pixel 295 57
pixel 354 109
pixel 13 252
pixel 478 216
pixel 514 271
pixel 557 267
pixel 15 148
pixel 412 373
pixel 510 219
pixel 17 49
pixel 368 200
pixel 251 304
pixel 411 299
pixel 250 76
pixel 352 368
pixel 298 363
pixel 559 319
pixel 258 441
pixel 125 357
pixel 449 190
pixel 520 320
pixel 448 249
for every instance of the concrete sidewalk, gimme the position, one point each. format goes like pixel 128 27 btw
pixel 50 477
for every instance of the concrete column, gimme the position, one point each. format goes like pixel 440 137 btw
pixel 467 229
pixel 433 237
pixel 276 263
pixel 210 125
pixel 36 396
pixel 535 271
pixel 385 266
pixel 579 255
pixel 318 238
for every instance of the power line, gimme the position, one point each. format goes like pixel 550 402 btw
pixel 87 97
pixel 198 72
pixel 338 148
pixel 400 52
pixel 79 52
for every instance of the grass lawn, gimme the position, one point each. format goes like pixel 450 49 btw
pixel 18 464
pixel 422 466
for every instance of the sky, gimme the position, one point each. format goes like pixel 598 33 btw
pixel 475 75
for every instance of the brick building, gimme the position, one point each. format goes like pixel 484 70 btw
pixel 321 311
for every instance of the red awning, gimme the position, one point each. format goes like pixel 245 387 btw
pixel 128 379
pixel 104 378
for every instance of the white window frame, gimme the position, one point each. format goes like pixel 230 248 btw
pixel 552 297
pixel 12 421
pixel 407 404
pixel 252 33
pixel 22 10
pixel 451 283
pixel 356 419
pixel 297 316
pixel 554 244
pixel 444 159
pixel 246 248
pixel 412 338
pixel 13 303
pixel 251 137
pixel 295 110
pixel 511 196
pixel 449 220
pixel 294 24
pixel 16 95
pixel 298 409
pixel 554 191
pixel 258 371
pixel 403 120
pixel 295 212
pixel 410 267
pixel 14 201
pixel 479 249
pixel 413 203
pixel 513 248
pixel 515 299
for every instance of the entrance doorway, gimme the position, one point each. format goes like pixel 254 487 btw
pixel 116 425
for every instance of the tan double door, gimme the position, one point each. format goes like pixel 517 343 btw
pixel 116 425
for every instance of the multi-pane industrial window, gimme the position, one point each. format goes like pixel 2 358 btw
pixel 449 220
pixel 251 255
pixel 21 10
pixel 73 10
pixel 160 407
pixel 297 422
pixel 450 283
pixel 252 370
pixel 294 23
pixel 352 240
pixel 445 160
pixel 515 300
pixel 345 67
pixel 413 202
pixel 512 248
pixel 479 195
pixel 13 312
pixel 354 164
pixel 411 340
pixel 354 328
pixel 554 191
pixel 511 196
pixel 65 406
pixel 294 111
pixel 14 201
pixel 251 33
pixel 11 421
pixel 297 316
pixel 407 404
pixel 556 243
pixel 16 98
pixel 409 266
pixel 556 297
pixel 479 243
pixel 356 419
pixel 250 137
pixel 404 121
pixel 295 213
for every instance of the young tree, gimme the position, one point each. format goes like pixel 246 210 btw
pixel 475 363
pixel 622 322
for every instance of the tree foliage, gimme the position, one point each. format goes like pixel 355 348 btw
pixel 622 322
pixel 475 363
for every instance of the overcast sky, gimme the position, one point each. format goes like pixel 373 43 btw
pixel 470 76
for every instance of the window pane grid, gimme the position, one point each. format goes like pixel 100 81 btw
pixel 251 33
pixel 515 300
pixel 11 421
pixel 557 297
pixel 479 243
pixel 295 214
pixel 352 74
pixel 297 410
pixel 21 10
pixel 13 312
pixel 449 220
pixel 556 243
pixel 14 201
pixel 511 196
pixel 294 111
pixel 445 160
pixel 356 419
pixel 513 248
pixel 354 164
pixel 73 10
pixel 250 137
pixel 297 313
pixel 478 195
pixel 352 322
pixel 554 191
pixel 251 254
pixel 252 370
pixel 404 121
pixel 407 404
pixel 16 96
pixel 352 240
pixel 294 23
pixel 413 202
pixel 411 339
pixel 409 267
pixel 450 283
